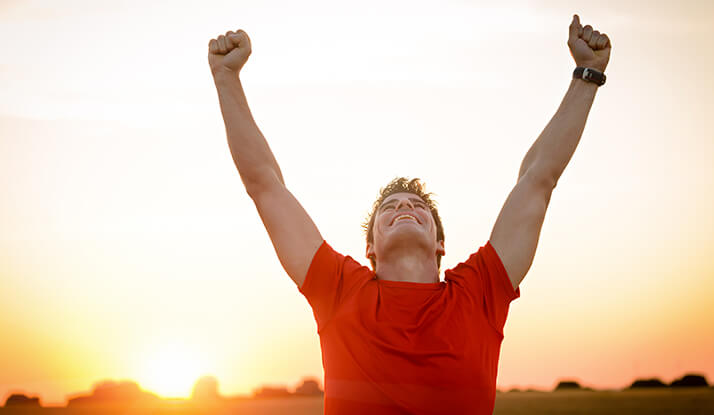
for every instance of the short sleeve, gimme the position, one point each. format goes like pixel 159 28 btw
pixel 330 280
pixel 484 275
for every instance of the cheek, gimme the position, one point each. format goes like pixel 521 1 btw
pixel 384 222
pixel 433 224
pixel 379 224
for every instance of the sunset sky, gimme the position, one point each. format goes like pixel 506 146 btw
pixel 130 250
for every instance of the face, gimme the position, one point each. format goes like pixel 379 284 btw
pixel 403 219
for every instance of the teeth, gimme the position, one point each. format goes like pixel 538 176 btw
pixel 405 217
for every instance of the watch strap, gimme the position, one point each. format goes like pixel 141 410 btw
pixel 589 75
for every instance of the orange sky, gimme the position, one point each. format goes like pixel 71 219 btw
pixel 129 249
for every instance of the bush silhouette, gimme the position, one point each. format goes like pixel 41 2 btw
pixel 648 383
pixel 21 400
pixel 115 393
pixel 272 392
pixel 206 389
pixel 690 380
pixel 309 387
pixel 568 385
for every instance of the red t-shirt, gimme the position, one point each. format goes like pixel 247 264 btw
pixel 395 347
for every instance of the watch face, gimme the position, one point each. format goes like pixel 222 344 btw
pixel 593 76
pixel 590 75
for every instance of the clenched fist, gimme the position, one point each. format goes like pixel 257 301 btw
pixel 229 53
pixel 589 48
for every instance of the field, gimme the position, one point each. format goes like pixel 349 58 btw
pixel 690 401
pixel 634 402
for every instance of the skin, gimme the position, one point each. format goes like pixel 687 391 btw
pixel 405 252
pixel 405 249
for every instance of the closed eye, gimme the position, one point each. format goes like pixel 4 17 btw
pixel 417 203
pixel 388 206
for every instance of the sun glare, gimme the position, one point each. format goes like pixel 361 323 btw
pixel 172 372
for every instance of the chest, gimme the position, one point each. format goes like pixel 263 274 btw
pixel 415 322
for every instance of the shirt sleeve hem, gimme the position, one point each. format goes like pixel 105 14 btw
pixel 492 257
pixel 307 283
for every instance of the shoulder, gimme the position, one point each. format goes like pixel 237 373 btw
pixel 328 266
pixel 482 268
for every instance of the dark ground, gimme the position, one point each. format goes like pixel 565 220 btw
pixel 665 401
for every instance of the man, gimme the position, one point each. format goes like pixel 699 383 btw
pixel 396 340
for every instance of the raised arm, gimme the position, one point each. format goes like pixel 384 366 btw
pixel 293 234
pixel 517 229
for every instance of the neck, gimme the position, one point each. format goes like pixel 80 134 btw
pixel 410 266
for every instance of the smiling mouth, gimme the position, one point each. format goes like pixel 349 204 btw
pixel 404 217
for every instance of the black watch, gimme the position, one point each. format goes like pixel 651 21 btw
pixel 589 75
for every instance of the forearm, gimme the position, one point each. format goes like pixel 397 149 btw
pixel 251 154
pixel 552 151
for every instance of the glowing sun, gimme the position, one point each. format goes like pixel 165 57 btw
pixel 172 372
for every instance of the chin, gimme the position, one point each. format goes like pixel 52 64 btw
pixel 409 237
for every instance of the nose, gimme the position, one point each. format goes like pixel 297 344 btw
pixel 405 202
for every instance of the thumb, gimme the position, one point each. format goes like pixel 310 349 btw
pixel 575 29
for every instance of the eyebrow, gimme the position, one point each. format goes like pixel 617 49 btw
pixel 413 199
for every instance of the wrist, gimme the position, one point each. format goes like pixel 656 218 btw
pixel 589 75
pixel 584 86
pixel 225 75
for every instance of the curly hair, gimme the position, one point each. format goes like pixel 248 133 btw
pixel 404 185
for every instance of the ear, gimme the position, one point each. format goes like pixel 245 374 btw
pixel 440 248
pixel 369 252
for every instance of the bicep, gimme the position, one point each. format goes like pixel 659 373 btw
pixel 294 235
pixel 517 229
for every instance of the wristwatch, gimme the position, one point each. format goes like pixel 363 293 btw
pixel 589 75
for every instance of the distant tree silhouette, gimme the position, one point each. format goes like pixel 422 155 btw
pixel 567 385
pixel 272 392
pixel 647 383
pixel 206 389
pixel 690 380
pixel 309 387
pixel 18 399
pixel 115 393
pixel 527 390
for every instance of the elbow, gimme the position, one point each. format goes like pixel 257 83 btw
pixel 536 168
pixel 261 183
pixel 539 176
